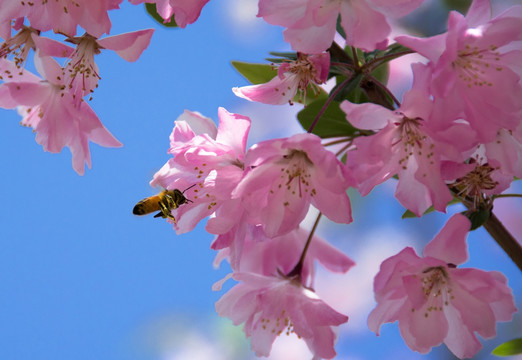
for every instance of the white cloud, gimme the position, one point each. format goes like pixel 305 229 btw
pixel 352 293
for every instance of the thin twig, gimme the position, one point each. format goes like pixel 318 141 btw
pixel 385 89
pixel 327 102
pixel 296 271
pixel 503 237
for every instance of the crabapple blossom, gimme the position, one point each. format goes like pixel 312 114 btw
pixel 474 66
pixel 477 179
pixel 48 108
pixel 210 157
pixel 406 145
pixel 265 256
pixel 505 151
pixel 184 11
pixel 81 73
pixel 270 306
pixel 19 45
pixel 311 24
pixel 61 16
pixel 291 77
pixel 286 176
pixel 434 301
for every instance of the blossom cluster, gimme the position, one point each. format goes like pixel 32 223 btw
pixel 438 143
pixel 457 134
pixel 257 200
pixel 53 103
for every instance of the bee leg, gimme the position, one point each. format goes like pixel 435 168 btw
pixel 165 211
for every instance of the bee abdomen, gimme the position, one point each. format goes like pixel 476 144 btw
pixel 139 209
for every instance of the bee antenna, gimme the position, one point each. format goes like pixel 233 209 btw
pixel 191 186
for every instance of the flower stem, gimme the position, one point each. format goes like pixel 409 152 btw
pixel 378 61
pixel 328 101
pixel 386 90
pixel 296 271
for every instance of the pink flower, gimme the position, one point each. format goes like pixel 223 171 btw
pixel 291 77
pixel 48 108
pixel 311 24
pixel 81 72
pixel 474 67
pixel 272 306
pixel 434 301
pixel 262 255
pixel 19 45
pixel 286 176
pixel 410 143
pixel 210 157
pixel 184 11
pixel 61 16
pixel 505 152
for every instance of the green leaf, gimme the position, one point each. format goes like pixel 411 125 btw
pixel 331 124
pixel 339 28
pixel 290 55
pixel 151 9
pixel 382 73
pixel 255 73
pixel 512 347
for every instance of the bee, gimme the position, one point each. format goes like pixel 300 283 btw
pixel 165 201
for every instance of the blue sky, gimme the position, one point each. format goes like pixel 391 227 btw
pixel 83 278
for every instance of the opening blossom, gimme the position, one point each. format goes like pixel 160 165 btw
pixel 271 303
pixel 262 255
pixel 311 24
pixel 273 306
pixel 436 302
pixel 407 144
pixel 61 16
pixel 291 77
pixel 81 74
pixel 210 157
pixel 474 66
pixel 286 176
pixel 51 112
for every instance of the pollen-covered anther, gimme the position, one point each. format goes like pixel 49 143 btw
pixel 412 139
pixel 436 288
pixel 473 65
pixel 295 173
pixel 474 183
pixel 279 325
pixel 19 46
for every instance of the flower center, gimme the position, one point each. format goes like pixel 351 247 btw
pixel 436 288
pixel 476 66
pixel 473 184
pixel 19 46
pixel 304 69
pixel 279 325
pixel 81 72
pixel 295 175
pixel 412 140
